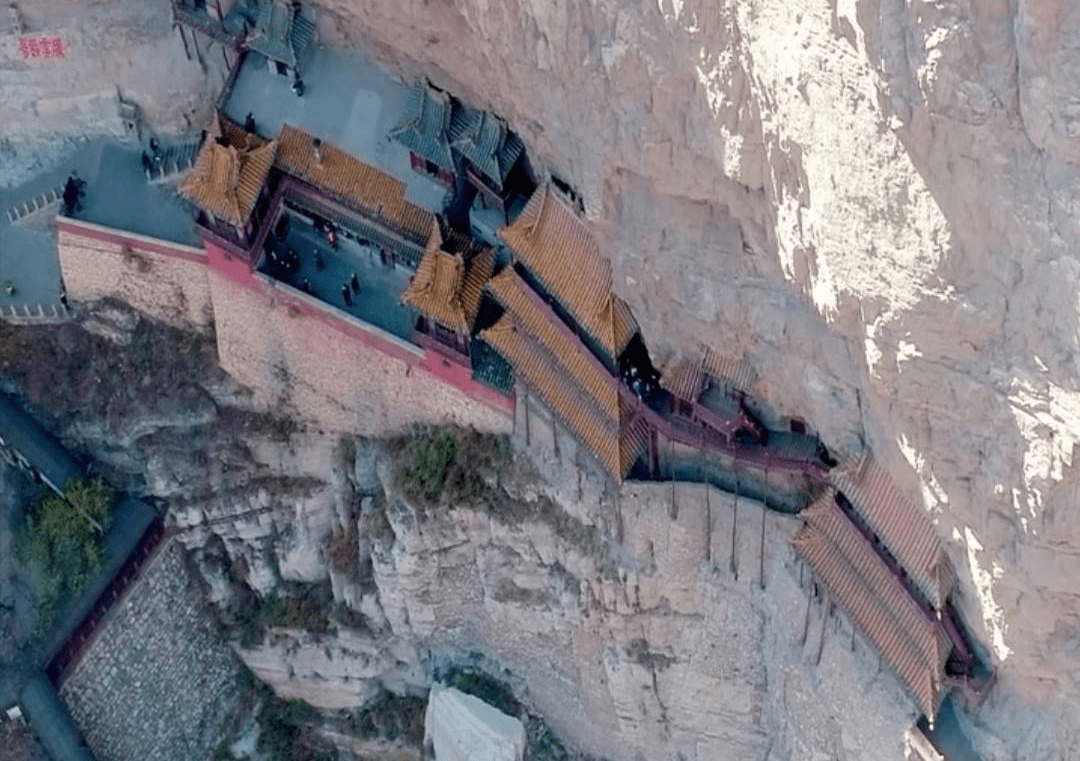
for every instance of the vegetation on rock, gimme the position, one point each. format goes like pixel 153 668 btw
pixel 63 541
pixel 397 718
pixel 450 463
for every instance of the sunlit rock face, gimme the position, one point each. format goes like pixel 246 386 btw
pixel 874 202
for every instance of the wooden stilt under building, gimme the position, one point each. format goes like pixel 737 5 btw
pixel 733 564
pixel 825 612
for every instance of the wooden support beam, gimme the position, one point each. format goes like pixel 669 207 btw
pixel 761 547
pixel 708 510
pixel 618 515
pixel 806 617
pixel 826 611
pixel 183 37
pixel 674 512
pixel 527 440
pixel 733 565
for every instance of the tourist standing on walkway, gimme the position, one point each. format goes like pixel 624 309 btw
pixel 346 294
pixel 355 283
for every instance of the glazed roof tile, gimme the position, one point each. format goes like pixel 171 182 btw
pixel 914 645
pixel 446 287
pixel 436 287
pixel 424 127
pixel 685 379
pixel 485 141
pixel 279 34
pixel 353 183
pixel 555 244
pixel 736 373
pixel 902 527
pixel 536 367
pixel 227 179
pixel 554 362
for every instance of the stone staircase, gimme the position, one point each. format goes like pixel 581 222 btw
pixel 172 161
pixel 49 199
pixel 37 315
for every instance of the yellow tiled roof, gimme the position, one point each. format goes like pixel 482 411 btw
pixel 512 292
pixel 904 528
pixel 435 290
pixel 227 179
pixel 685 379
pixel 478 275
pixel 442 289
pixel 235 134
pixel 358 185
pixel 914 645
pixel 555 244
pixel 738 373
pixel 538 369
pixel 561 369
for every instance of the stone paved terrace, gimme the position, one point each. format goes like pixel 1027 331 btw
pixel 119 195
pixel 27 248
pixel 157 682
pixel 347 102
pixel 381 286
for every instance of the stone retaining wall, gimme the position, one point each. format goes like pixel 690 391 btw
pixel 157 682
pixel 167 281
pixel 319 368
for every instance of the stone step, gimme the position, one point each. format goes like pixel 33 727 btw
pixel 49 199
pixel 174 160
pixel 36 315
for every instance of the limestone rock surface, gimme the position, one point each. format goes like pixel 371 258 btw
pixel 874 202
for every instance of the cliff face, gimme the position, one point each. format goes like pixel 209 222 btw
pixel 874 202
pixel 635 635
pixel 111 49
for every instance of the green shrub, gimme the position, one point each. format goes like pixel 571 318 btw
pixel 63 541
pixel 473 681
pixel 343 550
pixel 292 605
pixel 453 462
pixel 432 459
pixel 285 732
pixel 223 753
pixel 391 717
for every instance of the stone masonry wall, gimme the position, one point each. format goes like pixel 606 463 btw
pixel 297 360
pixel 167 281
pixel 157 681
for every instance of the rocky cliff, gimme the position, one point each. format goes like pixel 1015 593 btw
pixel 111 51
pixel 871 200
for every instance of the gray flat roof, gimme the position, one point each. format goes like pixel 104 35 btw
pixel 347 102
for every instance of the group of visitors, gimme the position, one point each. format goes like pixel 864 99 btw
pixel 74 192
pixel 349 288
pixel 285 262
